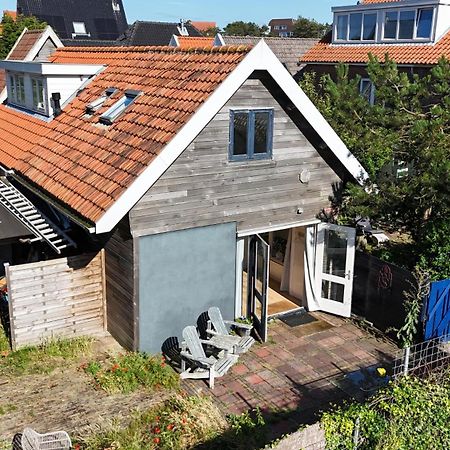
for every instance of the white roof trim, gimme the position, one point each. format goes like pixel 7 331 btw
pixel 260 57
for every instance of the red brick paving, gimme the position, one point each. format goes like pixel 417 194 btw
pixel 297 374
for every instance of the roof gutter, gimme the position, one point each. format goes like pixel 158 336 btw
pixel 71 215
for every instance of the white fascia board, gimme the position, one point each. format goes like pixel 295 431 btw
pixel 260 57
pixel 47 34
pixel 48 68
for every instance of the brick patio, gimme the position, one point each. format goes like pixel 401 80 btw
pixel 299 371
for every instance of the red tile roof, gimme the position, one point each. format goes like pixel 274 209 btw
pixel 195 42
pixel 203 26
pixel 87 166
pixel 25 44
pixel 417 54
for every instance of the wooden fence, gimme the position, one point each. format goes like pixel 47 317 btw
pixel 63 297
pixel 378 291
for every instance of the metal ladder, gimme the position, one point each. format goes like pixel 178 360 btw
pixel 24 211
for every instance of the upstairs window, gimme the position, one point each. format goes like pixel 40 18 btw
pixel 356 27
pixel 17 84
pixel 37 85
pixel 424 23
pixel 251 134
pixel 119 107
pixel 408 24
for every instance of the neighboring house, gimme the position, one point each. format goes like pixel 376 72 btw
pixel 32 45
pixel 156 33
pixel 203 26
pixel 282 27
pixel 79 19
pixel 414 33
pixel 11 14
pixel 189 167
pixel 191 42
pixel 288 50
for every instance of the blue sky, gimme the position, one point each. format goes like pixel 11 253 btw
pixel 259 11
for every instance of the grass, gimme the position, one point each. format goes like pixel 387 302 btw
pixel 4 342
pixel 179 423
pixel 128 372
pixel 41 359
pixel 5 409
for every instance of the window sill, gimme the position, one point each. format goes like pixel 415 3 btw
pixel 253 163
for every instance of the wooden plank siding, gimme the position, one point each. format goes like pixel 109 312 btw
pixel 58 298
pixel 203 188
pixel 120 286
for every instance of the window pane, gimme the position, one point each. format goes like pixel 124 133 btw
pixel 240 133
pixel 390 25
pixel 333 291
pixel 355 27
pixel 79 27
pixel 342 25
pixel 335 253
pixel 38 94
pixel 261 132
pixel 424 22
pixel 406 26
pixel 20 90
pixel 370 23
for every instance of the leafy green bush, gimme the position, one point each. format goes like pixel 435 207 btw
pixel 43 358
pixel 408 414
pixel 127 372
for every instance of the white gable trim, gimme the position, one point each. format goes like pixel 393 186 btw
pixel 47 34
pixel 17 41
pixel 260 57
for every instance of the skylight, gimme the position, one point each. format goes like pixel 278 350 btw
pixel 119 107
pixel 98 103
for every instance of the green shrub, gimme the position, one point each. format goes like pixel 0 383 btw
pixel 408 414
pixel 127 372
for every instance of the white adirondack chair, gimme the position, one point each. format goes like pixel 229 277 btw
pixel 59 440
pixel 203 367
pixel 219 334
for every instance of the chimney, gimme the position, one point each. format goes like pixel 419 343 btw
pixel 56 97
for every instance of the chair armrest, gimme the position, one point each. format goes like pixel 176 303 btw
pixel 212 332
pixel 208 362
pixel 244 326
pixel 215 344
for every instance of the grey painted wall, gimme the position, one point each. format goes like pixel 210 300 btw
pixel 182 274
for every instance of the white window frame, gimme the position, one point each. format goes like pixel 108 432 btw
pixel 371 97
pixel 79 33
pixel 347 34
pixel 14 89
pixel 416 17
pixel 36 107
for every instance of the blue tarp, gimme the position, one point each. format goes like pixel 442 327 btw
pixel 437 310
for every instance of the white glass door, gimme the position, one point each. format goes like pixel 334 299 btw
pixel 334 268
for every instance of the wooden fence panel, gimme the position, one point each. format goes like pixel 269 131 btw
pixel 378 291
pixel 63 297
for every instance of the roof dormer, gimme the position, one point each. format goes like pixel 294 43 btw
pixel 402 21
pixel 31 85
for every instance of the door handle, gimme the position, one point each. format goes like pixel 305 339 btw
pixel 348 275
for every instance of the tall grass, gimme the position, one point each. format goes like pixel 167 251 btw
pixel 44 358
